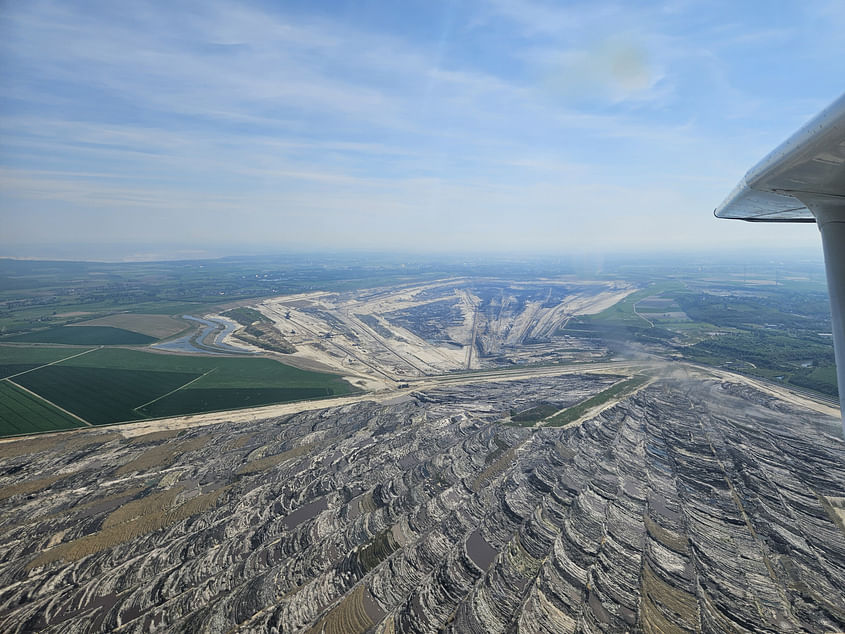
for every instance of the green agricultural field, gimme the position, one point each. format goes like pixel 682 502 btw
pixel 657 304
pixel 101 395
pixel 16 359
pixel 84 336
pixel 23 413
pixel 157 326
pixel 623 321
pixel 220 371
pixel 189 400
pixel 624 310
pixel 99 387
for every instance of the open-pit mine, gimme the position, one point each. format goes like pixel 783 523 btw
pixel 391 334
pixel 548 489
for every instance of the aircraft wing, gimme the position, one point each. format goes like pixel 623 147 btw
pixel 806 170
pixel 803 180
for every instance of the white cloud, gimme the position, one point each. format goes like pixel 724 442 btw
pixel 585 121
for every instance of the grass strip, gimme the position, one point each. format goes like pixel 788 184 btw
pixel 22 412
pixel 577 411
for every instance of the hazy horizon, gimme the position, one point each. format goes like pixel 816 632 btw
pixel 129 253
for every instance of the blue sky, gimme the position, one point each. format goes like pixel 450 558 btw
pixel 474 126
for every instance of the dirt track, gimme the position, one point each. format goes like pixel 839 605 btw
pixel 617 367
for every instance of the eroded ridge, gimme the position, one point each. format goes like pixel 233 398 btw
pixel 690 506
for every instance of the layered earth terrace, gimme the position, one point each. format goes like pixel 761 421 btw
pixel 695 503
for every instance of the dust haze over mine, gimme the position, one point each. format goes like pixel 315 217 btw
pixel 546 452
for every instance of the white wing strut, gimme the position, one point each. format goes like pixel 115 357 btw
pixel 803 180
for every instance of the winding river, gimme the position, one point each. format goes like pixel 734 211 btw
pixel 209 339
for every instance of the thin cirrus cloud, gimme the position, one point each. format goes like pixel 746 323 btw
pixel 478 126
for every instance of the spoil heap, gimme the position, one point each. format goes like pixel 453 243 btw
pixel 690 506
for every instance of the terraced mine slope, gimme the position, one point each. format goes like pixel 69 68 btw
pixel 689 506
